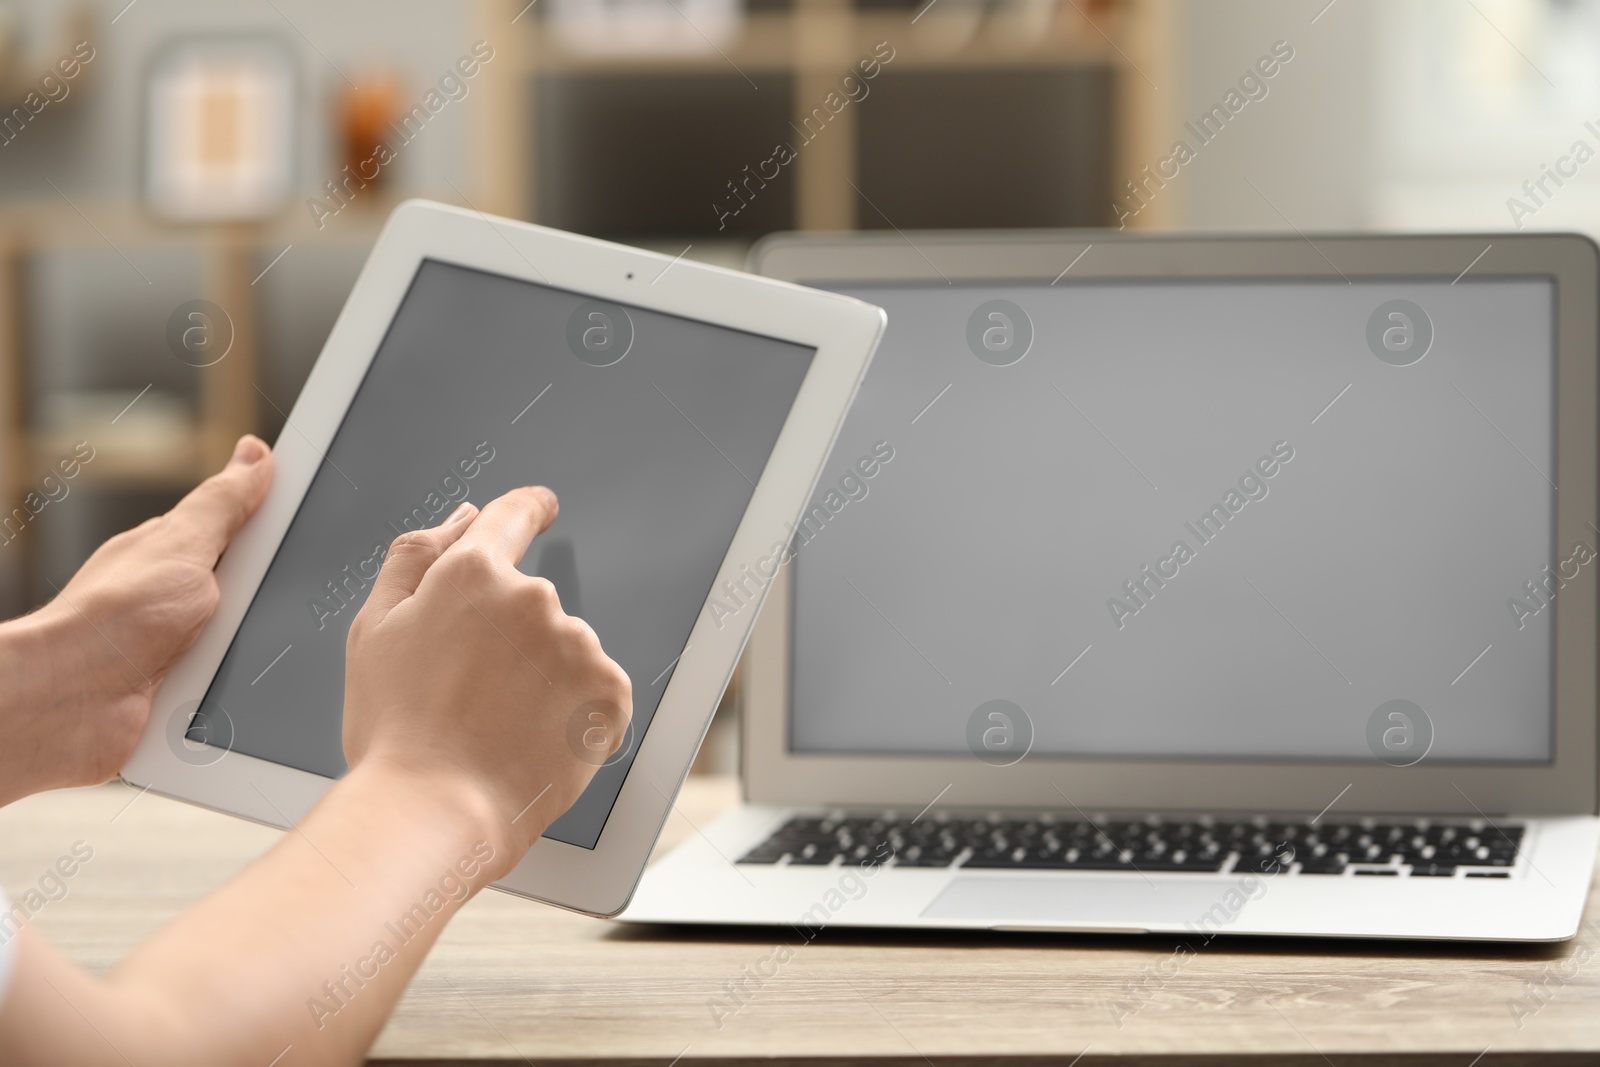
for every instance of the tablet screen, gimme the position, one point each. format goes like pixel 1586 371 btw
pixel 652 429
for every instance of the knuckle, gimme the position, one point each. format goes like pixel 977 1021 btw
pixel 410 549
pixel 518 503
pixel 513 509
pixel 361 623
pixel 531 500
pixel 473 565
pixel 410 541
pixel 542 592
pixel 580 637
pixel 222 493
pixel 410 538
pixel 616 684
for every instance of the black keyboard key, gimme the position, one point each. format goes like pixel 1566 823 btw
pixel 1271 863
pixel 1196 863
pixel 925 859
pixel 765 853
pixel 815 859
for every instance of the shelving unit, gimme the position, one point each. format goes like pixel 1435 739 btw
pixel 799 50
pixel 19 75
pixel 165 447
pixel 809 46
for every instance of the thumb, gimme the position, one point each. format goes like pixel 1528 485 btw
pixel 409 557
pixel 214 511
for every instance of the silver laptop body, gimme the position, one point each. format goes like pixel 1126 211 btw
pixel 1193 585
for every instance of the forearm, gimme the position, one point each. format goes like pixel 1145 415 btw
pixel 40 706
pixel 310 947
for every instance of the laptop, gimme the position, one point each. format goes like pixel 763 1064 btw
pixel 1187 585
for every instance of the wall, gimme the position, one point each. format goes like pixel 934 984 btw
pixel 1300 155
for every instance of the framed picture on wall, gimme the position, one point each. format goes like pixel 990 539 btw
pixel 219 137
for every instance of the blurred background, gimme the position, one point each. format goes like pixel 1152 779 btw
pixel 188 188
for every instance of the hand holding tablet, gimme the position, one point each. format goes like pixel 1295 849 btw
pixel 517 665
pixel 80 670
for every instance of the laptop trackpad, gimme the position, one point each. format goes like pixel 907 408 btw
pixel 1091 902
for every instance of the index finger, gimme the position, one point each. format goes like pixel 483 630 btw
pixel 508 524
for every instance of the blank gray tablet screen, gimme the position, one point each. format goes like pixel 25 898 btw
pixel 1359 477
pixel 652 429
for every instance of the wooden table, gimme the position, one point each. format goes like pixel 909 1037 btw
pixel 514 982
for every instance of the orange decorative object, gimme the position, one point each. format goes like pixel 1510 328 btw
pixel 365 115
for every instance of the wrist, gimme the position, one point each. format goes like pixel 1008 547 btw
pixel 465 813
pixel 59 659
pixel 31 653
pixel 38 710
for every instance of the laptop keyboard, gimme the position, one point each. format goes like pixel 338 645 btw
pixel 1421 848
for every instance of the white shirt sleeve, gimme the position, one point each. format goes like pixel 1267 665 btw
pixel 8 947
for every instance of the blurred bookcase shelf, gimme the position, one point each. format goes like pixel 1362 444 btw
pixel 831 37
pixel 149 440
pixel 21 73
pixel 557 138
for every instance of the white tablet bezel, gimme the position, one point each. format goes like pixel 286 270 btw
pixel 844 333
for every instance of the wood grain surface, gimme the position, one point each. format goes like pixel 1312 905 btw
pixel 516 982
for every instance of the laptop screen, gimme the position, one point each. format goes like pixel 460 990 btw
pixel 1242 519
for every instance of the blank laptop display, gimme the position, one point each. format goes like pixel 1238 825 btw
pixel 1191 519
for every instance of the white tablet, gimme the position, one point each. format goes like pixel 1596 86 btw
pixel 680 412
